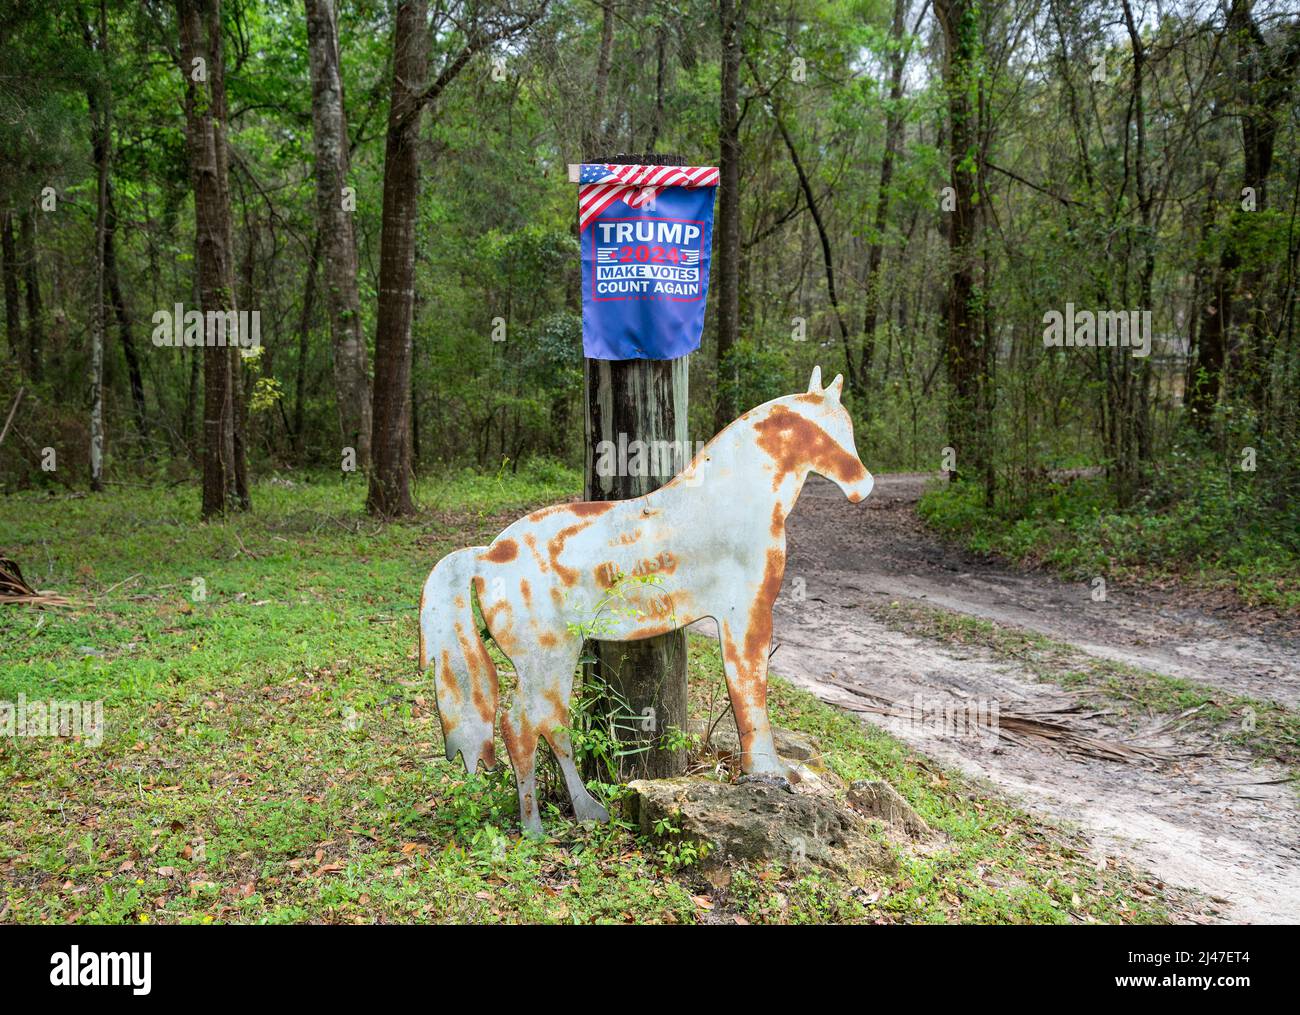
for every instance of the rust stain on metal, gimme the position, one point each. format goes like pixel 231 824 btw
pixel 610 573
pixel 711 543
pixel 794 441
pixel 503 551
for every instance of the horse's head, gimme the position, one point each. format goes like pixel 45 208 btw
pixel 813 432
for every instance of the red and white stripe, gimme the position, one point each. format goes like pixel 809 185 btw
pixel 638 185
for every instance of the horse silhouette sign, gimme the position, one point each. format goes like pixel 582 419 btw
pixel 710 543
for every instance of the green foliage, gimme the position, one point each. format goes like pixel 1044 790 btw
pixel 1204 518
pixel 496 335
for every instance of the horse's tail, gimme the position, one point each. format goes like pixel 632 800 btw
pixel 465 679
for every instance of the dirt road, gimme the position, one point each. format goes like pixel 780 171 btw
pixel 1218 822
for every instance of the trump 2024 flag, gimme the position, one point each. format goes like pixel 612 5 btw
pixel 647 240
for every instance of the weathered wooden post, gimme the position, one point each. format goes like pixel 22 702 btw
pixel 639 400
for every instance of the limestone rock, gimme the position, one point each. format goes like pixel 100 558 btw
pixel 876 798
pixel 760 820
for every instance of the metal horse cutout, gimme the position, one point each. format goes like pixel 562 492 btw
pixel 714 537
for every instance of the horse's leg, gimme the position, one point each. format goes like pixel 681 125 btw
pixel 521 743
pixel 585 806
pixel 745 663
pixel 548 681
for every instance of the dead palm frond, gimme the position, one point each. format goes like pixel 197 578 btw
pixel 15 590
pixel 1060 728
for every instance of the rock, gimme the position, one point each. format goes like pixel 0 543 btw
pixel 758 820
pixel 775 781
pixel 876 798
pixel 724 740
pixel 818 782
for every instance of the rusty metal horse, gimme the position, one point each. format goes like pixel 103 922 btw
pixel 714 540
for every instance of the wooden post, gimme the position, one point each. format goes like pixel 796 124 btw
pixel 639 399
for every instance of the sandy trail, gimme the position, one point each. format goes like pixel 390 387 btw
pixel 1220 823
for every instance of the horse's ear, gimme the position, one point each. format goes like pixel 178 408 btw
pixel 815 382
pixel 836 386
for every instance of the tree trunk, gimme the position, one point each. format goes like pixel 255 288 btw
pixel 390 492
pixel 644 681
pixel 661 47
pixel 1131 386
pixel 597 135
pixel 123 315
pixel 32 288
pixel 205 115
pixel 304 330
pixel 101 154
pixel 727 265
pixel 963 347
pixel 9 262
pixel 1201 389
pixel 876 251
pixel 335 225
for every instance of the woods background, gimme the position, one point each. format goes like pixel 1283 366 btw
pixel 909 188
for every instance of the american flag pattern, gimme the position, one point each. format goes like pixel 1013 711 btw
pixel 600 186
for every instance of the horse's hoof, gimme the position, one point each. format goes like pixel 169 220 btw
pixel 590 810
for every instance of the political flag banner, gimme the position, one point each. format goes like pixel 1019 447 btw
pixel 647 239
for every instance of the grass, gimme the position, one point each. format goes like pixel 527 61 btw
pixel 1209 529
pixel 272 755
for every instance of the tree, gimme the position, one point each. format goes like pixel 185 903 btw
pixel 1263 78
pixel 390 493
pixel 824 238
pixel 727 269
pixel 596 132
pixel 965 351
pixel 99 100
pixel 224 481
pixel 334 223
pixel 894 121
pixel 9 267
pixel 32 292
pixel 123 315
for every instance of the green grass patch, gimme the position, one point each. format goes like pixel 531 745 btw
pixel 1219 533
pixel 272 755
